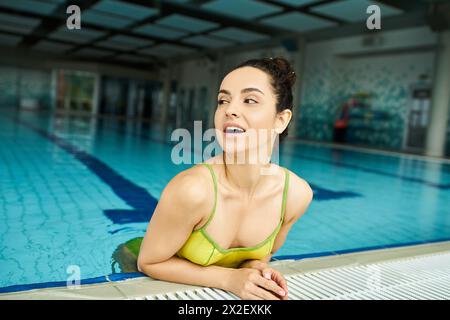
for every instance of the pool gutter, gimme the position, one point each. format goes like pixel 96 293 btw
pixel 145 286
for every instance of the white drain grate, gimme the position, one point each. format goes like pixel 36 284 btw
pixel 415 278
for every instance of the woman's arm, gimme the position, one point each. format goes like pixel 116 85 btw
pixel 257 264
pixel 183 204
pixel 182 271
pixel 245 283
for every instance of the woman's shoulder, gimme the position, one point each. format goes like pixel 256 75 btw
pixel 191 188
pixel 300 195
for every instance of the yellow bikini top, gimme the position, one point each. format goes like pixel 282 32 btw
pixel 201 249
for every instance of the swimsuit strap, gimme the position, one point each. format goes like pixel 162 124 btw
pixel 215 195
pixel 285 190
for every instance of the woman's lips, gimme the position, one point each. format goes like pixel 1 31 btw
pixel 230 126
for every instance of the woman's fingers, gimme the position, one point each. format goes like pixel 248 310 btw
pixel 262 293
pixel 270 285
pixel 280 280
pixel 270 273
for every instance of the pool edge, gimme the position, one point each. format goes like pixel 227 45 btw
pixel 138 286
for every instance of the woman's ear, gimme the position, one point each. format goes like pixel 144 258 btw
pixel 282 120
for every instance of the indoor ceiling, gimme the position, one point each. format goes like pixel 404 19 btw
pixel 138 32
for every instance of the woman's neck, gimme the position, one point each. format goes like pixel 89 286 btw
pixel 245 177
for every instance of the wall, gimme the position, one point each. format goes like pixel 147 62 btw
pixel 336 69
pixel 28 74
pixel 17 84
pixel 386 64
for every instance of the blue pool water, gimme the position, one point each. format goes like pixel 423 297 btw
pixel 73 189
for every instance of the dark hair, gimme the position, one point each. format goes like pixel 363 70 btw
pixel 282 79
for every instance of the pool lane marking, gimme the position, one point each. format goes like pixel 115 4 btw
pixel 133 195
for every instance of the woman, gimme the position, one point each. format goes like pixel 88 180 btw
pixel 217 224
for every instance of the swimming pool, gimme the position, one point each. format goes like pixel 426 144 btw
pixel 72 189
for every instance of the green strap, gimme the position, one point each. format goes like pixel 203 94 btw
pixel 286 186
pixel 215 195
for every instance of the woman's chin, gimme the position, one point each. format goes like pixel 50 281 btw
pixel 242 148
pixel 233 143
pixel 237 155
pixel 233 150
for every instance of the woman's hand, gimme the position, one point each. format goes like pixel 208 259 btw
pixel 270 274
pixel 249 284
pixel 277 277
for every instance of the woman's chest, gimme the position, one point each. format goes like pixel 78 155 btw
pixel 238 222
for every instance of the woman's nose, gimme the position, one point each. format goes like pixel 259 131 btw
pixel 231 110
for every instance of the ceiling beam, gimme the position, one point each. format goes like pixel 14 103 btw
pixel 58 17
pixel 408 20
pixel 191 10
pixel 149 20
pixel 415 18
pixel 195 11
pixel 105 59
pixel 305 9
pixel 20 57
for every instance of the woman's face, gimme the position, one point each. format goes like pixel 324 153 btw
pixel 246 100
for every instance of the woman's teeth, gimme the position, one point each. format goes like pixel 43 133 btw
pixel 234 130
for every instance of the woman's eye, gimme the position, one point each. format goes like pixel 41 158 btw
pixel 220 101
pixel 253 101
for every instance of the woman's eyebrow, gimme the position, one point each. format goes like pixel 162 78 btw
pixel 246 90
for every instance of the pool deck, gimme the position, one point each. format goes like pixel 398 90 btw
pixel 144 286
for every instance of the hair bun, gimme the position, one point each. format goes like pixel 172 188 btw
pixel 285 72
